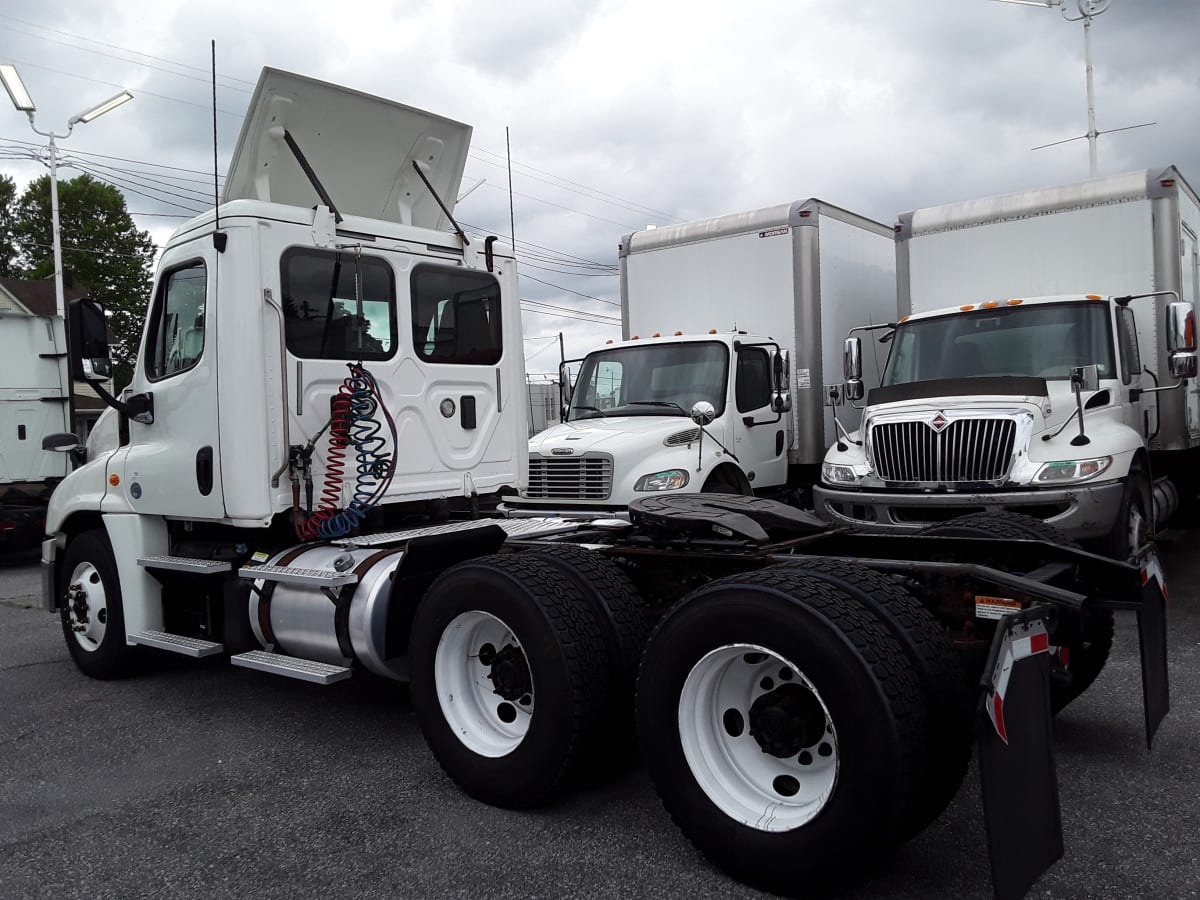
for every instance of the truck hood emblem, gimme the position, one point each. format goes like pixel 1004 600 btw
pixel 563 451
pixel 938 423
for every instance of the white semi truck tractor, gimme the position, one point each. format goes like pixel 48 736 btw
pixel 326 353
pixel 1040 365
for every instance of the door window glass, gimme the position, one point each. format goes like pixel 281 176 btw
pixel 753 379
pixel 176 339
pixel 456 316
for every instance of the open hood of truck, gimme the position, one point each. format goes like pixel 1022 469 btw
pixel 362 149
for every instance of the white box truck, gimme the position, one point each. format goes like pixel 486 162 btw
pixel 981 406
pixel 325 326
pixel 707 307
pixel 34 403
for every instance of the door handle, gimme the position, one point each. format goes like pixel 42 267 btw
pixel 204 470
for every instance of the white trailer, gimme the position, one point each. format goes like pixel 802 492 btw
pixel 322 327
pixel 1026 287
pixel 34 403
pixel 706 306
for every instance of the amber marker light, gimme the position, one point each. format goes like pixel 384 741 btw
pixel 1094 297
pixel 989 304
pixel 965 308
pixel 114 480
pixel 1014 302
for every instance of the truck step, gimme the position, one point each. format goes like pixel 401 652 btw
pixel 513 528
pixel 288 575
pixel 176 643
pixel 291 666
pixel 184 564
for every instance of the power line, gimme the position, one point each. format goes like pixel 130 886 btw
pixel 568 316
pixel 569 291
pixel 118 47
pixel 139 162
pixel 42 37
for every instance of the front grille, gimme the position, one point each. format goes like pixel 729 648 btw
pixel 586 477
pixel 968 450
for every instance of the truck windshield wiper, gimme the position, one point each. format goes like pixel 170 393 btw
pixel 592 409
pixel 663 403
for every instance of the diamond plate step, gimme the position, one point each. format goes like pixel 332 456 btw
pixel 514 528
pixel 290 575
pixel 291 667
pixel 185 564
pixel 176 643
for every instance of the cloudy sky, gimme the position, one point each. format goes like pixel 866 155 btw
pixel 624 114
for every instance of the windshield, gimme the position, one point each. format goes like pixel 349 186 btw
pixel 653 380
pixel 1045 341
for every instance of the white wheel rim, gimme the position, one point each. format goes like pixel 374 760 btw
pixel 87 606
pixel 465 677
pixel 1136 525
pixel 765 791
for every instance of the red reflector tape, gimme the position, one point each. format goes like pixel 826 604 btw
pixel 1039 643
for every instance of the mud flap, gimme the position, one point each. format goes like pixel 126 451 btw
pixel 1016 754
pixel 1152 640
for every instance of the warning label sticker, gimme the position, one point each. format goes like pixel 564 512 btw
pixel 803 379
pixel 995 607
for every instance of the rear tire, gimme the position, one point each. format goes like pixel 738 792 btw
pixel 1087 651
pixel 943 679
pixel 614 599
pixel 509 677
pixel 730 740
pixel 93 618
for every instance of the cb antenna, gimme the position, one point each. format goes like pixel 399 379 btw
pixel 219 239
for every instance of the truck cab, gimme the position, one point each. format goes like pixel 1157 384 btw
pixel 632 427
pixel 1034 405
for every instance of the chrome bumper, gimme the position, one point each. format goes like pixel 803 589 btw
pixel 1083 512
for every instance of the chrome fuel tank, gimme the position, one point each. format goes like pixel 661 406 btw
pixel 303 621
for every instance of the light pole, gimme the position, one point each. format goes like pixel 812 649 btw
pixel 1088 9
pixel 24 103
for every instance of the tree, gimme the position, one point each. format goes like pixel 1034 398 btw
pixel 103 252
pixel 9 265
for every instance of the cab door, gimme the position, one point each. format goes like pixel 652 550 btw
pixel 171 465
pixel 759 431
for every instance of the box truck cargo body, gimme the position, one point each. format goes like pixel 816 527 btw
pixel 1031 286
pixel 788 279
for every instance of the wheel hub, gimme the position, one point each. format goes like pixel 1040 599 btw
pixel 77 601
pixel 786 720
pixel 510 674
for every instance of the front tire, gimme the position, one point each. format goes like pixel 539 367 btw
pixel 93 618
pixel 782 725
pixel 509 677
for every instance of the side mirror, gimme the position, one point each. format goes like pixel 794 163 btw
pixel 703 412
pixel 62 442
pixel 88 341
pixel 1086 378
pixel 852 361
pixel 854 387
pixel 1181 328
pixel 780 369
pixel 781 402
pixel 1183 365
pixel 564 391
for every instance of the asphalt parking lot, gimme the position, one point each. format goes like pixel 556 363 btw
pixel 200 779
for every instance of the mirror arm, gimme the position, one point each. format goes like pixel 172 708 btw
pixel 140 407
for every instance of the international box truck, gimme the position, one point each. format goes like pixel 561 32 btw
pixel 1035 367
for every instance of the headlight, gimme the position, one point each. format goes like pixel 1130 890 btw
pixel 1071 470
pixel 831 473
pixel 669 480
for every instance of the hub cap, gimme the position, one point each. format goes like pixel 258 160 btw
pixel 483 683
pixel 758 738
pixel 87 606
